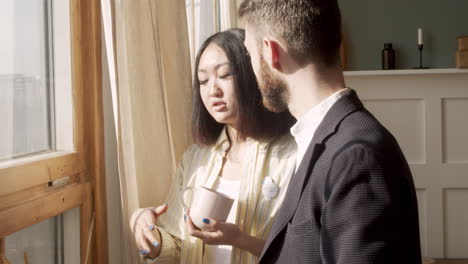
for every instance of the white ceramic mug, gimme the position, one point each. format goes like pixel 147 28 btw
pixel 207 203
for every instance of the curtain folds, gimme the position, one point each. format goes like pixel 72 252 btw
pixel 148 59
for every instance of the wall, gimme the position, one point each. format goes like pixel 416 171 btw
pixel 368 24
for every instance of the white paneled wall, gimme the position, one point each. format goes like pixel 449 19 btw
pixel 428 114
pixel 454 149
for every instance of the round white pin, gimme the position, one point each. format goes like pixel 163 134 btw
pixel 269 188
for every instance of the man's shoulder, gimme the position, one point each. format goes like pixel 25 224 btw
pixel 362 142
pixel 361 129
pixel 362 124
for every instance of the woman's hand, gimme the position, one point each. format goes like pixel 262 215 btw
pixel 215 233
pixel 143 224
pixel 220 233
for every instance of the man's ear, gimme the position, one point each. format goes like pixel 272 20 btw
pixel 272 53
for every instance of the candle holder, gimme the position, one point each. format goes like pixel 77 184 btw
pixel 420 48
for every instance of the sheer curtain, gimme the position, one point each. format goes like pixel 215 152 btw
pixel 148 62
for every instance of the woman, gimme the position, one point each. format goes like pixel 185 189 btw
pixel 240 147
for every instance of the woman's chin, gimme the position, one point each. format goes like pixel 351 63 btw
pixel 222 119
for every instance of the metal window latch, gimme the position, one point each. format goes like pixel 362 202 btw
pixel 58 183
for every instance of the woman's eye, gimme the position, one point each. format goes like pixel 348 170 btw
pixel 224 76
pixel 202 82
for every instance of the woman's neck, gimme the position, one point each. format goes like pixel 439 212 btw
pixel 236 147
pixel 233 136
pixel 232 162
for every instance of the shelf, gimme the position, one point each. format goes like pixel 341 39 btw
pixel 405 72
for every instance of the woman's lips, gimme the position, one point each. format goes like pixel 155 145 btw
pixel 219 106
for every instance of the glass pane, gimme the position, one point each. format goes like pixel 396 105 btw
pixel 54 241
pixel 25 74
pixel 200 22
pixel 204 20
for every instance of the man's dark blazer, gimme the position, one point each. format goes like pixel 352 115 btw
pixel 352 199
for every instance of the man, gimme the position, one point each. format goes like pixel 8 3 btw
pixel 352 198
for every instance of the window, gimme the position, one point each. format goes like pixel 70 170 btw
pixel 26 86
pixel 35 79
pixel 49 152
pixel 53 241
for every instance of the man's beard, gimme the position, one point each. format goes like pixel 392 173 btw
pixel 274 90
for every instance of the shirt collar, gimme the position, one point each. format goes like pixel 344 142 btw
pixel 222 144
pixel 308 123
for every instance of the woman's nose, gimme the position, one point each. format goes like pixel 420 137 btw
pixel 215 90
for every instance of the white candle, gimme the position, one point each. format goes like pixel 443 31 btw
pixel 420 36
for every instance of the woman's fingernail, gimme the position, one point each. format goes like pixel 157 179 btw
pixel 143 252
pixel 206 220
pixel 155 244
pixel 151 227
pixel 185 218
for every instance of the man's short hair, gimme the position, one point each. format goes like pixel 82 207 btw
pixel 310 28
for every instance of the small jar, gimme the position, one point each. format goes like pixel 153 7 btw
pixel 388 57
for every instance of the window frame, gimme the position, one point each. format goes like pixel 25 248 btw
pixel 25 195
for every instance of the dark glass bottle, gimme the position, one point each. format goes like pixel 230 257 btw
pixel 388 57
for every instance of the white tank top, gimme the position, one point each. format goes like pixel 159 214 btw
pixel 221 254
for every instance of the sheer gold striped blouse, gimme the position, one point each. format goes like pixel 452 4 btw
pixel 255 213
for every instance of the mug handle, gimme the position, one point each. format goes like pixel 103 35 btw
pixel 182 197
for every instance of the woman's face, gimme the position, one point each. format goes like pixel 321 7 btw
pixel 217 85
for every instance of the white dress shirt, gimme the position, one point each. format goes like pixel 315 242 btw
pixel 304 129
